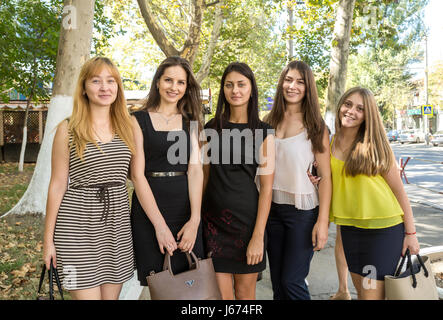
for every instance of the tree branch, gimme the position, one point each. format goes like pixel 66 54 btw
pixel 212 3
pixel 159 36
pixel 191 44
pixel 207 59
pixel 170 22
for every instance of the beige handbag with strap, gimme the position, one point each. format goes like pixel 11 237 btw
pixel 417 282
pixel 198 283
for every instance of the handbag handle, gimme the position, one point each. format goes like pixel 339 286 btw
pixel 52 273
pixel 409 266
pixel 167 262
pixel 188 257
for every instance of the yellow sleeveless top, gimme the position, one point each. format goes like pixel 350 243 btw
pixel 362 201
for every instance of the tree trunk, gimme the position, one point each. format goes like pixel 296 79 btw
pixel 25 127
pixel 25 135
pixel 73 50
pixel 218 20
pixel 191 45
pixel 339 59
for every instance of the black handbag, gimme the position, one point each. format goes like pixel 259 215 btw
pixel 52 274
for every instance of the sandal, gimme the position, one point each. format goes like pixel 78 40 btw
pixel 341 296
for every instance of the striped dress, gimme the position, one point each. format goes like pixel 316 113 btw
pixel 92 236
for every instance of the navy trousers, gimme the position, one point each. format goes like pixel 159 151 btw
pixel 290 250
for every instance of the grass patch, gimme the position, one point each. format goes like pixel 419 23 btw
pixel 21 238
pixel 21 249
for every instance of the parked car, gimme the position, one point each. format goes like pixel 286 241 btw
pixel 393 135
pixel 411 135
pixel 437 138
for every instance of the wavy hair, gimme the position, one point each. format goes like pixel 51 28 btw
pixel 370 152
pixel 310 107
pixel 190 105
pixel 80 125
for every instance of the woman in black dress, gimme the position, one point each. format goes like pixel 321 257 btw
pixel 166 204
pixel 234 212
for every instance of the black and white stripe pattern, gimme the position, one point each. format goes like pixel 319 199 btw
pixel 92 251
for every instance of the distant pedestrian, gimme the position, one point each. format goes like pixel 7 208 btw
pixel 298 220
pixel 369 202
pixel 428 137
pixel 87 227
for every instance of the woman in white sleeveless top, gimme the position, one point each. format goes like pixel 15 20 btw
pixel 298 220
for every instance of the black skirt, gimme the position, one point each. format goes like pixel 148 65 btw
pixel 173 201
pixel 373 253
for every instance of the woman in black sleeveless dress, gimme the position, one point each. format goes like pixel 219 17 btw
pixel 234 212
pixel 166 203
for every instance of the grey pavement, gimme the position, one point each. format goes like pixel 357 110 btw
pixel 322 278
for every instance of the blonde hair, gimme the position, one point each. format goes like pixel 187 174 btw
pixel 370 152
pixel 80 125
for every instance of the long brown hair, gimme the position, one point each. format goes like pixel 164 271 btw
pixel 80 124
pixel 370 152
pixel 310 107
pixel 190 105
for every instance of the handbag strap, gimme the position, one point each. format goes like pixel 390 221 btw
pixel 425 270
pixel 57 281
pixel 402 262
pixel 51 284
pixel 414 279
pixel 167 261
pixel 52 273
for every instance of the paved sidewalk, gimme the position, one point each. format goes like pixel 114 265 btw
pixel 322 279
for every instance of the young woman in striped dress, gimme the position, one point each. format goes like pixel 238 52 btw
pixel 87 228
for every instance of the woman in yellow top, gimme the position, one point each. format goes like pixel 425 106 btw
pixel 369 202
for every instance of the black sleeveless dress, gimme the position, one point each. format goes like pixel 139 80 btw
pixel 170 193
pixel 230 201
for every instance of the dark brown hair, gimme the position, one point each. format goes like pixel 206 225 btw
pixel 190 104
pixel 312 119
pixel 223 111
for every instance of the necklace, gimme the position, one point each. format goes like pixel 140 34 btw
pixel 167 119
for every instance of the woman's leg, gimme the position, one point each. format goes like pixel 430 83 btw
pixel 368 289
pixel 275 232
pixel 224 281
pixel 298 252
pixel 245 285
pixel 110 291
pixel 342 269
pixel 86 294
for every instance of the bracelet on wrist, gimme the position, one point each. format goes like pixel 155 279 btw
pixel 410 233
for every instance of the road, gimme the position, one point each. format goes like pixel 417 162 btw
pixel 425 174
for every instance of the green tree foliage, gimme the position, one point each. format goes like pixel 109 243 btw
pixel 436 84
pixel 385 72
pixel 251 36
pixel 393 25
pixel 249 33
pixel 30 42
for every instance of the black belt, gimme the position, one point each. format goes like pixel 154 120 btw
pixel 165 174
pixel 102 194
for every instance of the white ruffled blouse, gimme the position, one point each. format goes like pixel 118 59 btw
pixel 291 182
